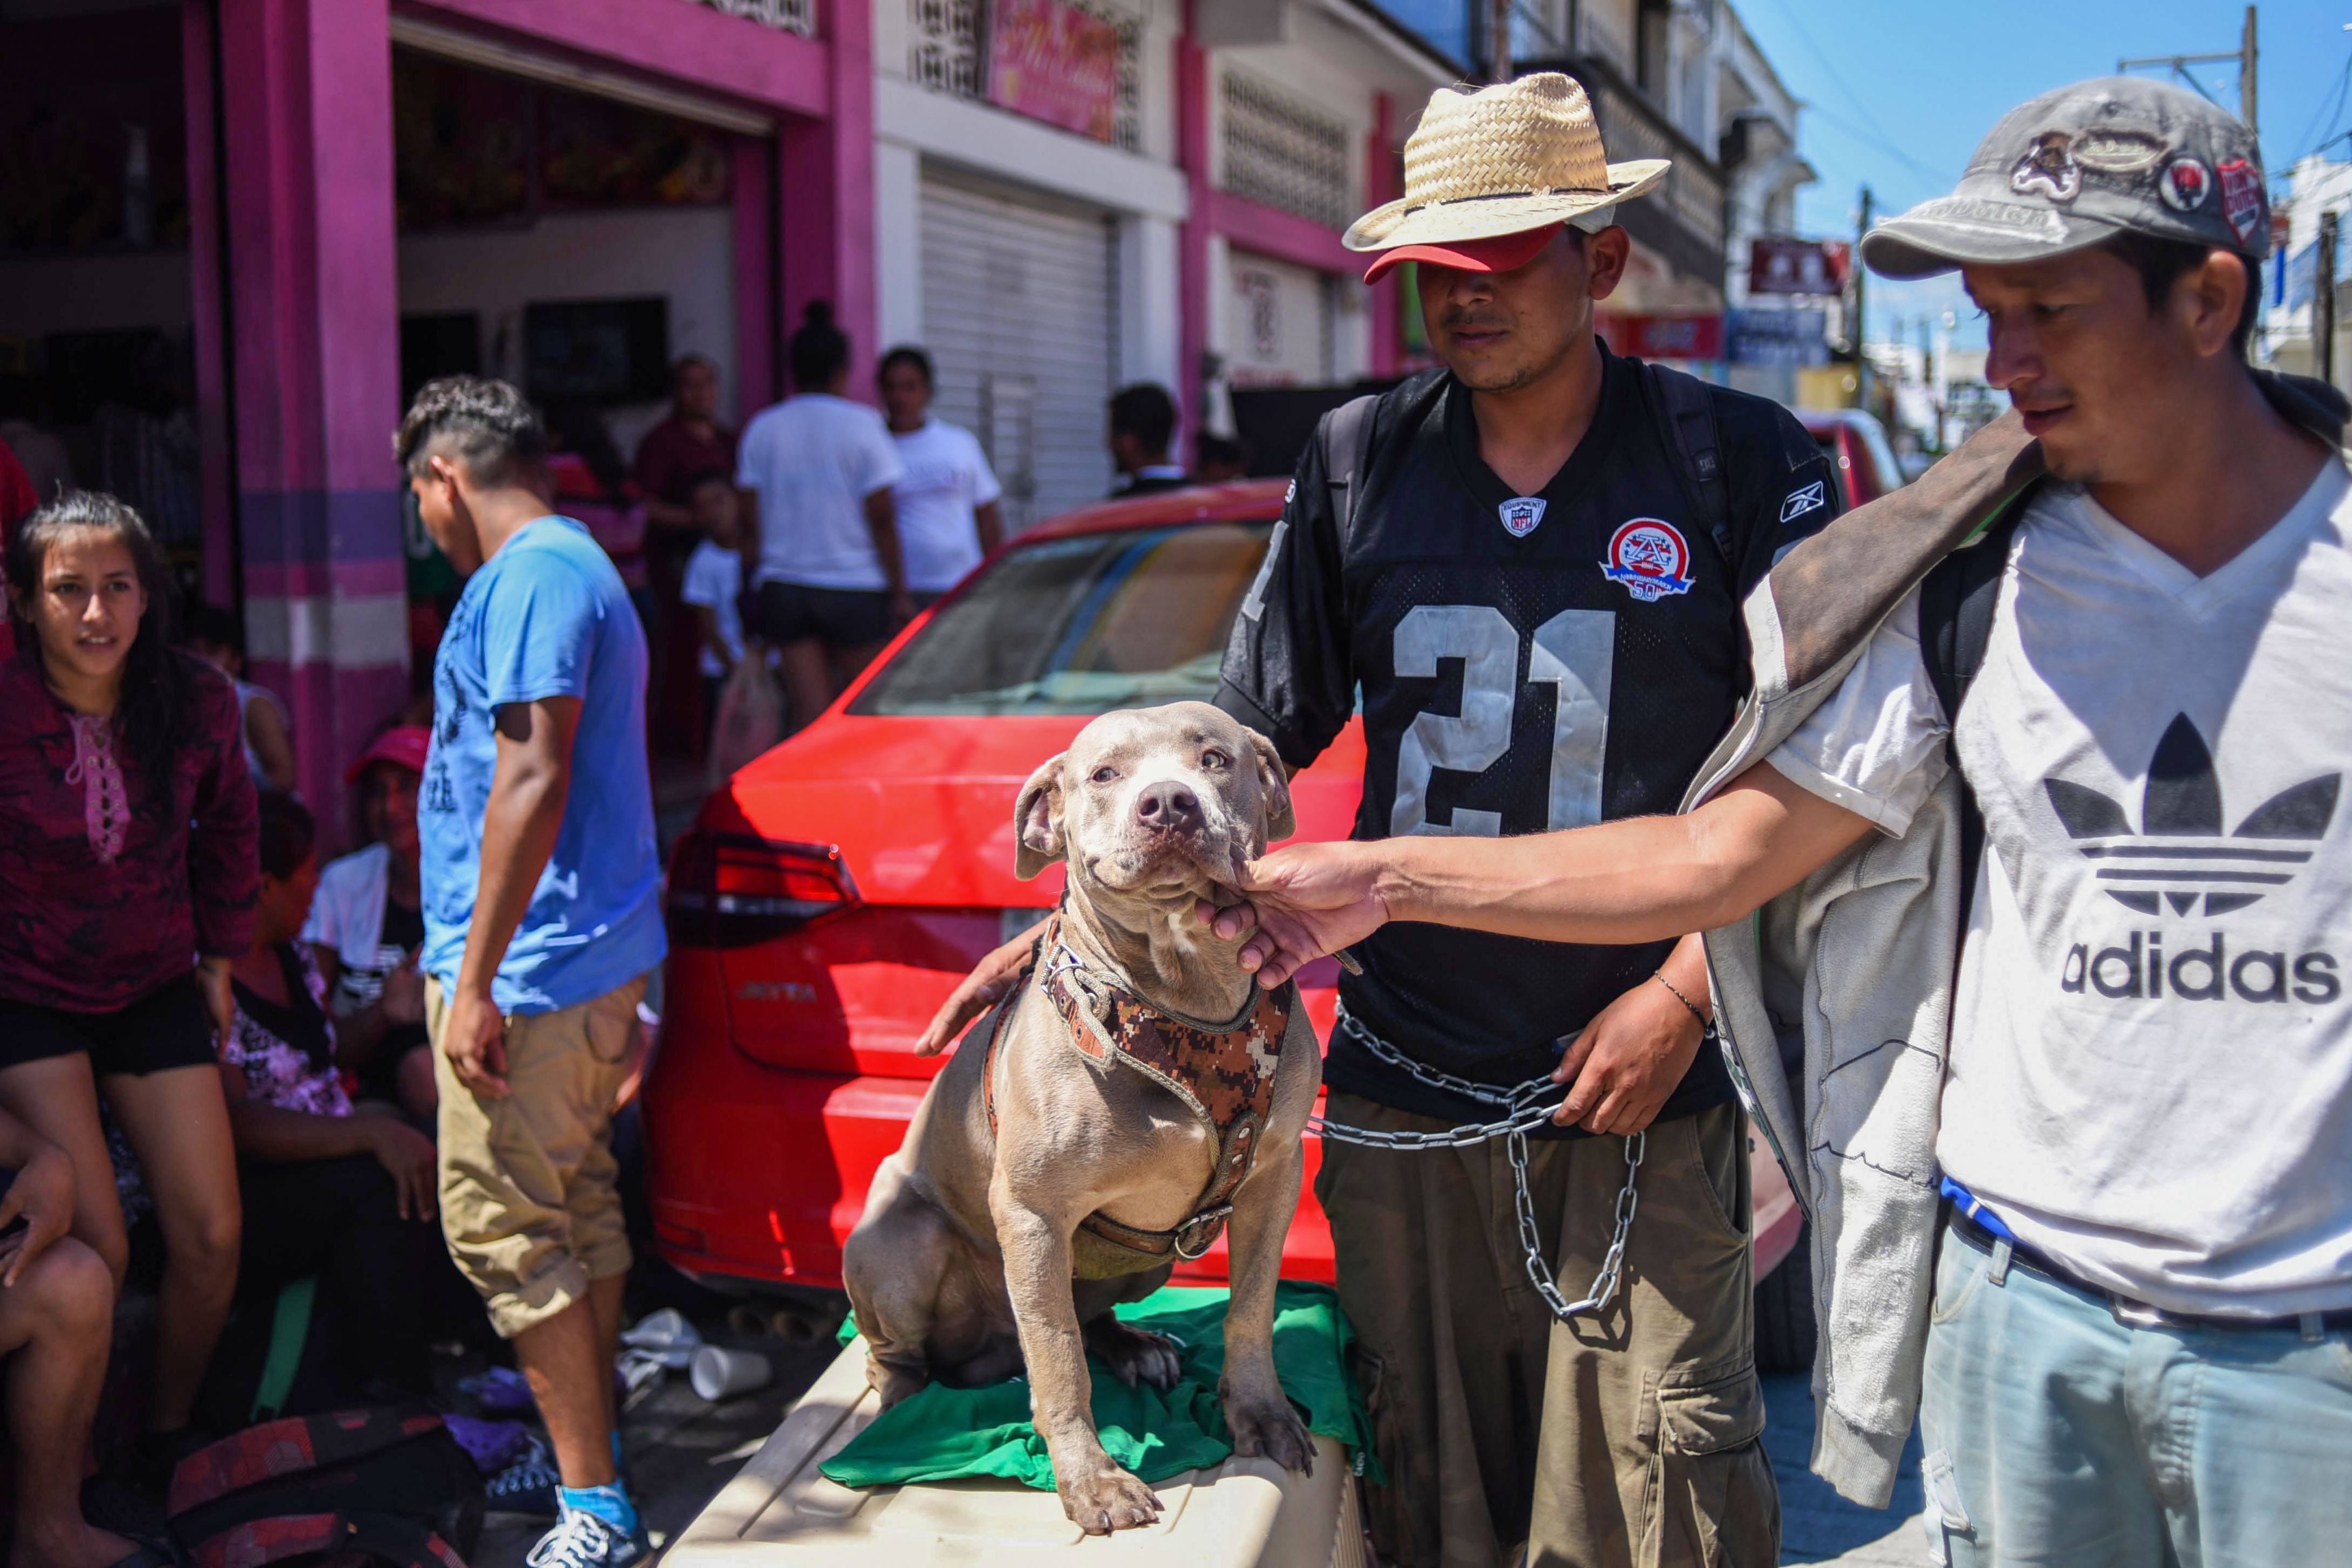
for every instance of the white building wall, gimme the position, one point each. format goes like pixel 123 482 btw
pixel 687 255
pixel 1142 190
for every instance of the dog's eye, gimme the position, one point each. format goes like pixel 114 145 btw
pixel 1105 775
pixel 1215 759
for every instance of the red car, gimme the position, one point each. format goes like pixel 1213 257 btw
pixel 828 900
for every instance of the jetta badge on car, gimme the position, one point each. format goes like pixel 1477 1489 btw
pixel 1649 558
pixel 1521 514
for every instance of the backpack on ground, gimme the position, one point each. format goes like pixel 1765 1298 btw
pixel 387 1481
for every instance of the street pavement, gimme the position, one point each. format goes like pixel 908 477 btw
pixel 1816 1524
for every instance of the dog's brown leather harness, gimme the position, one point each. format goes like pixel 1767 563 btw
pixel 1223 1076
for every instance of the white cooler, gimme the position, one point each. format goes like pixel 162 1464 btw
pixel 778 1511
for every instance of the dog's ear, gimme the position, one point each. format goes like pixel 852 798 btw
pixel 1274 783
pixel 1037 821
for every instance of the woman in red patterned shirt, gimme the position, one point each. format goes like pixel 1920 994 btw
pixel 128 879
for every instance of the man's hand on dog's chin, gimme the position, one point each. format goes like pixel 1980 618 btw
pixel 1304 901
pixel 978 991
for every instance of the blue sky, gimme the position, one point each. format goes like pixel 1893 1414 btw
pixel 1899 92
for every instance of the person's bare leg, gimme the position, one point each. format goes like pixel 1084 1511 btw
pixel 413 1081
pixel 56 1323
pixel 178 1123
pixel 604 1298
pixel 57 1097
pixel 849 662
pixel 572 1377
pixel 808 680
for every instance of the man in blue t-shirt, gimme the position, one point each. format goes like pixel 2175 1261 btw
pixel 541 921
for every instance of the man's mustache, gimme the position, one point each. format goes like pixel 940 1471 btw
pixel 1473 321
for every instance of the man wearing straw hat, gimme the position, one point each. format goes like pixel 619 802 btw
pixel 1531 564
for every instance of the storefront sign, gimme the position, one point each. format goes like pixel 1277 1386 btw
pixel 1662 337
pixel 1797 266
pixel 1778 337
pixel 1053 62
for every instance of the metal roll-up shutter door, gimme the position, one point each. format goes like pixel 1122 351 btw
pixel 1019 311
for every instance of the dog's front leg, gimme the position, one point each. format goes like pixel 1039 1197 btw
pixel 1257 1410
pixel 1096 1494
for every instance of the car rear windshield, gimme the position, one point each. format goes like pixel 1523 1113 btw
pixel 1081 625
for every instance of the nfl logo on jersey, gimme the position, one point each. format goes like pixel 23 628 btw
pixel 1521 514
pixel 1649 558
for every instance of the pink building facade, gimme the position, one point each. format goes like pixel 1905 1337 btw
pixel 271 219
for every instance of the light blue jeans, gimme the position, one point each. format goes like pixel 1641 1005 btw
pixel 2056 1434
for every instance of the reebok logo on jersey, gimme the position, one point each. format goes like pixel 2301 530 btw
pixel 2181 854
pixel 1649 558
pixel 1520 514
pixel 1811 498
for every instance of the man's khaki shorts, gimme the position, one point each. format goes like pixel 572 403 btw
pixel 529 1200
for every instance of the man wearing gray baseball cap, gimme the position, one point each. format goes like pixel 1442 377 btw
pixel 2071 1118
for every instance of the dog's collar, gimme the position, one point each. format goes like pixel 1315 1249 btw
pixel 1224 1073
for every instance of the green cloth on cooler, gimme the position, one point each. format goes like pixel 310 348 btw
pixel 942 1433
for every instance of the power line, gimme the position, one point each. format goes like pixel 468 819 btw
pixel 1937 181
pixel 2329 109
pixel 1884 136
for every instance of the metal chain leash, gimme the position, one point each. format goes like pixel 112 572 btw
pixel 1523 1114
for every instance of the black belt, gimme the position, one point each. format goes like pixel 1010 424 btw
pixel 2139 1315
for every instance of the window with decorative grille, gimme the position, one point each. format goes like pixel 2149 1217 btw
pixel 948 46
pixel 950 54
pixel 1283 153
pixel 787 16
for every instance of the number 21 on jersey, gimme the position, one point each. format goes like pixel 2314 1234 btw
pixel 1574 652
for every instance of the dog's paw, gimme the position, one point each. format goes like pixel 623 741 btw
pixel 1110 1498
pixel 1270 1428
pixel 1135 1355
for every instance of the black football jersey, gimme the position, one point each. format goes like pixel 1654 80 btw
pixel 1525 664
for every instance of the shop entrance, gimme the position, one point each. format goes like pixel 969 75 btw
pixel 99 351
pixel 580 243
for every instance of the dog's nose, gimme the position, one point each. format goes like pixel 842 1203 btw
pixel 1169 807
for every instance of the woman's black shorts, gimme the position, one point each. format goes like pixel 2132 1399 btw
pixel 169 1027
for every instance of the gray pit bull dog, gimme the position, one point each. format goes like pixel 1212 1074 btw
pixel 1054 1171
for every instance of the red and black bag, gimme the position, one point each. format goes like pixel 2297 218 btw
pixel 387 1481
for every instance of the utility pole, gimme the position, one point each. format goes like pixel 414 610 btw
pixel 2323 302
pixel 1861 227
pixel 2243 54
pixel 2246 76
pixel 1499 23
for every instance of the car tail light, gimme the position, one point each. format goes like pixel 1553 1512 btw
pixel 732 890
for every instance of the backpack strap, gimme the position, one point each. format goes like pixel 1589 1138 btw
pixel 1346 437
pixel 1957 601
pixel 1683 407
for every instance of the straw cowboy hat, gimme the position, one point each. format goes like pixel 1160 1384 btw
pixel 1505 159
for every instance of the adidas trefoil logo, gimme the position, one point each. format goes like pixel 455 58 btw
pixel 2180 854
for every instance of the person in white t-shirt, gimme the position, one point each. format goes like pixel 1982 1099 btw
pixel 823 545
pixel 2138 1335
pixel 949 513
pixel 712 585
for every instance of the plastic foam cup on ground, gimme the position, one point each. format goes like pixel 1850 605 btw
pixel 723 1374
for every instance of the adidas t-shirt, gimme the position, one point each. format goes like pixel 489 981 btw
pixel 2151 1063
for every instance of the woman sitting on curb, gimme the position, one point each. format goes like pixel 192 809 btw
pixel 350 1198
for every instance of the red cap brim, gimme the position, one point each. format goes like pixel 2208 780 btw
pixel 1504 253
pixel 403 746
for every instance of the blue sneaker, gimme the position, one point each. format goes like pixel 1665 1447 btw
pixel 581 1540
pixel 526 1485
